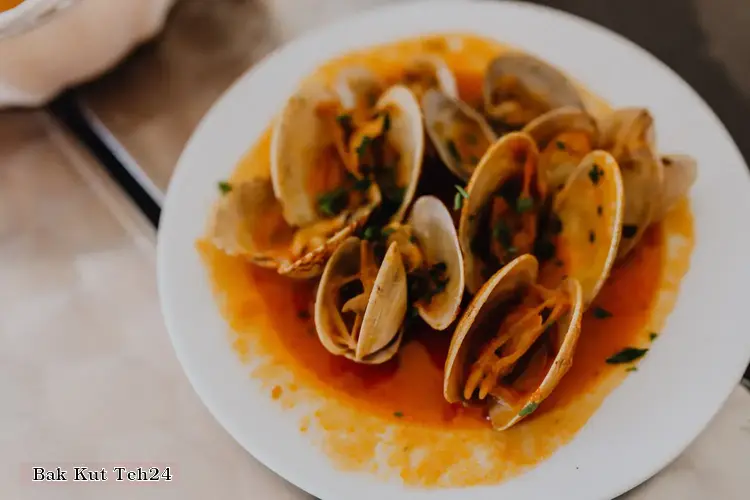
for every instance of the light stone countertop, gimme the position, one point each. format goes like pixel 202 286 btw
pixel 87 374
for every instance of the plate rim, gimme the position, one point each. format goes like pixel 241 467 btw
pixel 180 173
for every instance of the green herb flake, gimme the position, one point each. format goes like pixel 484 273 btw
pixel 595 174
pixel 629 230
pixel 362 184
pixel 458 202
pixel 652 336
pixel 398 414
pixel 560 145
pixel 362 148
pixel 371 233
pixel 524 204
pixel 626 355
pixel 592 236
pixel 224 187
pixel 632 369
pixel 333 202
pixel 453 150
pixel 501 233
pixel 601 313
pixel 344 119
pixel 462 192
pixel 528 409
pixel 387 232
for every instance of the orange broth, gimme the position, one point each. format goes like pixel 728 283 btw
pixel 351 404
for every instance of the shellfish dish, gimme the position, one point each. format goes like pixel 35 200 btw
pixel 445 253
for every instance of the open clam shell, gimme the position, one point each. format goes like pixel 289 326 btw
pixel 432 226
pixel 248 221
pixel 360 306
pixel 514 367
pixel 460 135
pixel 629 135
pixel 406 136
pixel 564 136
pixel 498 220
pixel 589 210
pixel 680 173
pixel 519 87
pixel 429 71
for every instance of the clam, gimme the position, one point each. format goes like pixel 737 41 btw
pixel 429 71
pixel 518 88
pixel 510 211
pixel 588 215
pixel 680 173
pixel 629 135
pixel 247 221
pixel 460 135
pixel 432 256
pixel 361 305
pixel 328 175
pixel 499 219
pixel 564 136
pixel 514 343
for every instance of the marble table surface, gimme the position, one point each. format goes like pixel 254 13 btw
pixel 87 374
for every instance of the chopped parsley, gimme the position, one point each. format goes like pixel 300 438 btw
pixel 501 233
pixel 224 187
pixel 592 236
pixel 652 336
pixel 629 230
pixel 601 313
pixel 524 204
pixel 461 195
pixel 371 233
pixel 626 355
pixel 560 145
pixel 362 184
pixel 632 369
pixel 362 148
pixel 333 202
pixel 595 174
pixel 398 414
pixel 528 409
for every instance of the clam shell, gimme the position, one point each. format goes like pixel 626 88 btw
pixel 406 135
pixel 520 273
pixel 432 224
pixel 539 81
pixel 557 164
pixel 501 416
pixel 590 208
pixel 380 333
pixel 450 122
pixel 248 221
pixel 429 71
pixel 629 135
pixel 680 173
pixel 499 164
pixel 299 140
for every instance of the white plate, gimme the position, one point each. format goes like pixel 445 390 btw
pixel 647 421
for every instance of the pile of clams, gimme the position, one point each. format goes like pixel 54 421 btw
pixel 550 198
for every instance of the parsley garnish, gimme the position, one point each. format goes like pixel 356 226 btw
pixel 224 187
pixel 524 204
pixel 632 369
pixel 362 184
pixel 398 414
pixel 371 233
pixel 601 313
pixel 629 230
pixel 332 202
pixel 560 145
pixel 362 148
pixel 653 336
pixel 595 174
pixel 461 195
pixel 501 233
pixel 592 236
pixel 626 355
pixel 528 409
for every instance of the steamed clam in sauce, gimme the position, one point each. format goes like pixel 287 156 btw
pixel 514 343
pixel 474 298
